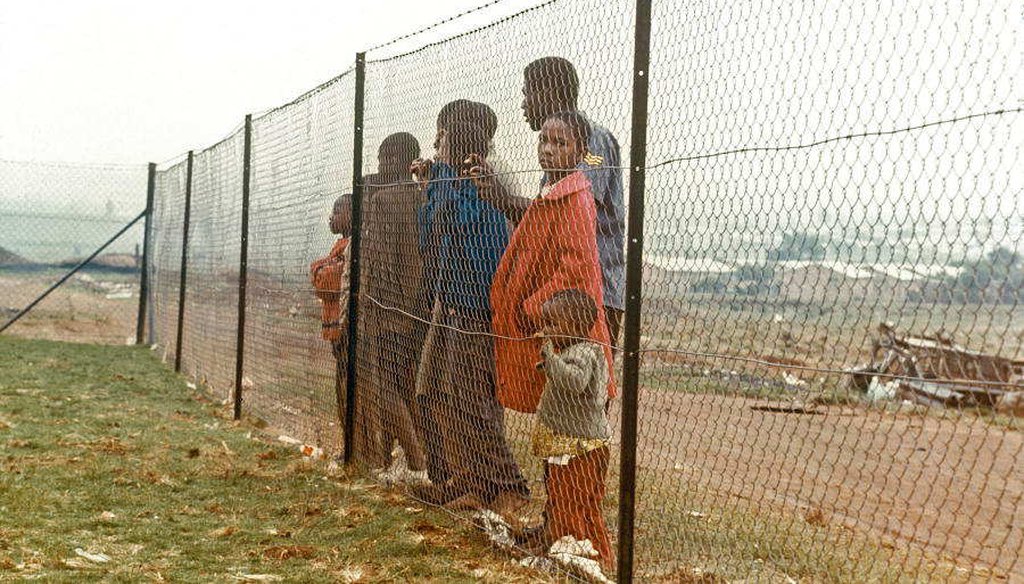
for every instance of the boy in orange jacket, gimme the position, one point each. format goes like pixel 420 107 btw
pixel 329 275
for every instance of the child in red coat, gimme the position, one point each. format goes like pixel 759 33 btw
pixel 553 252
pixel 553 248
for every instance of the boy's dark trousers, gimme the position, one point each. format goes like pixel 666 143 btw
pixel 465 435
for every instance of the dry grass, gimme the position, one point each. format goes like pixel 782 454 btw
pixel 106 452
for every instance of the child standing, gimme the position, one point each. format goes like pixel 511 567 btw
pixel 550 271
pixel 571 433
pixel 329 276
pixel 462 238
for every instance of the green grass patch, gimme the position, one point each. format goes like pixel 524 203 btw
pixel 103 450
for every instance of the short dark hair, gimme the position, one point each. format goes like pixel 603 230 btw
pixel 473 112
pixel 575 120
pixel 465 138
pixel 345 200
pixel 402 144
pixel 554 73
pixel 582 305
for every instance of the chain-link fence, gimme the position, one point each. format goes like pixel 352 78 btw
pixel 53 216
pixel 814 171
pixel 813 346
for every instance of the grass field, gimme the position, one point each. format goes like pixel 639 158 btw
pixel 113 470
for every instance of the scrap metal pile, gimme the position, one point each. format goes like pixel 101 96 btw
pixel 935 371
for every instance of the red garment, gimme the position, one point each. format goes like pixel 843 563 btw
pixel 575 492
pixel 553 248
pixel 329 276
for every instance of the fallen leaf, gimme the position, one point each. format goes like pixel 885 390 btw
pixel 815 516
pixel 257 577
pixel 268 455
pixel 78 563
pixel 351 574
pixel 92 557
pixel 223 531
pixel 287 552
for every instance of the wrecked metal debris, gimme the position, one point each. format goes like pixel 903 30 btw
pixel 935 371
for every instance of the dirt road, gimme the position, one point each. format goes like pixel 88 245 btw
pixel 952 485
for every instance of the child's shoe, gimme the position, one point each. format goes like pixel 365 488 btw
pixel 533 540
pixel 467 502
pixel 381 475
pixel 416 477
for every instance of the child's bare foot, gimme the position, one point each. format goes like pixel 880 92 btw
pixel 533 540
pixel 509 505
pixel 436 494
pixel 467 502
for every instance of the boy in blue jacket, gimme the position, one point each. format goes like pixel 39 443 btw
pixel 462 238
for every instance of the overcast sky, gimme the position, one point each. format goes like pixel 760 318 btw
pixel 130 81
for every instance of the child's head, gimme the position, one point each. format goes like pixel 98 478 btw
pixel 466 113
pixel 396 154
pixel 473 112
pixel 550 84
pixel 563 143
pixel 568 316
pixel 458 139
pixel 341 216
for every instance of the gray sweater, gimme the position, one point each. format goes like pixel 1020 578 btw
pixel 575 392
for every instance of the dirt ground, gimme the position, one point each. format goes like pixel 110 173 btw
pixel 951 485
pixel 97 308
pixel 944 482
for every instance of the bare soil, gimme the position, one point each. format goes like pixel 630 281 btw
pixel 79 311
pixel 950 484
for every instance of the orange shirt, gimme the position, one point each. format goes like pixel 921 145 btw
pixel 329 276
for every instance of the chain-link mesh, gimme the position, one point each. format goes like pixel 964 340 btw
pixel 54 215
pixel 815 170
pixel 830 344
pixel 168 216
pixel 211 298
pixel 301 163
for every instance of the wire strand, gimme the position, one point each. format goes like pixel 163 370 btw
pixel 703 354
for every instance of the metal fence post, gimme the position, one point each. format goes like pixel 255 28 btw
pixel 140 322
pixel 184 263
pixel 243 267
pixel 357 223
pixel 634 289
